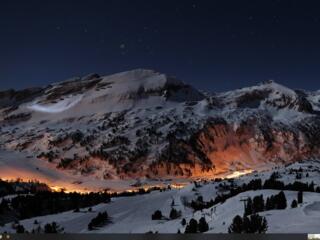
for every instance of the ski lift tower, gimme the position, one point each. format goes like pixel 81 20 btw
pixel 244 200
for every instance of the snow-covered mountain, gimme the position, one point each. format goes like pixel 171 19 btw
pixel 144 124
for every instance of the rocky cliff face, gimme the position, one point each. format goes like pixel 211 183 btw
pixel 144 124
pixel 218 148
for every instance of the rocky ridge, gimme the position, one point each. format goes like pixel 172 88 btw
pixel 141 123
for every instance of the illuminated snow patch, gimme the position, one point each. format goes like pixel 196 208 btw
pixel 314 236
pixel 237 174
pixel 58 107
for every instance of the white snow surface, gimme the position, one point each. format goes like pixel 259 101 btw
pixel 133 91
pixel 58 107
pixel 133 214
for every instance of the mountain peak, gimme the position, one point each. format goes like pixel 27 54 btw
pixel 120 91
pixel 266 82
pixel 142 123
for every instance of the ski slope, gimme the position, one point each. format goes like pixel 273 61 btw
pixel 133 214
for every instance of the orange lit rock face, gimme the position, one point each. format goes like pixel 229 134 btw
pixel 144 124
pixel 219 149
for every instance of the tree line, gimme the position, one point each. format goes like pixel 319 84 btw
pixel 100 220
pixel 45 203
pixel 255 184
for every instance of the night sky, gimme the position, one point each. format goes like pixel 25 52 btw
pixel 213 45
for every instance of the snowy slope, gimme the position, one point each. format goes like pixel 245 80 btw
pixel 141 124
pixel 133 214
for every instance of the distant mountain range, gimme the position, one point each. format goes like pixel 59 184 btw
pixel 144 124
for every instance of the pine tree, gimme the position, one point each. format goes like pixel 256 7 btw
pixel 157 215
pixel 203 225
pixel 248 207
pixel 273 202
pixel 52 228
pixel 200 199
pixel 183 222
pixel 174 214
pixel 192 227
pixel 258 204
pixel 98 221
pixel 298 176
pixel 268 204
pixel 236 225
pixel 90 226
pixel 281 201
pixel 252 224
pixel 294 204
pixel 311 187
pixel 246 224
pixel 300 197
pixel 258 224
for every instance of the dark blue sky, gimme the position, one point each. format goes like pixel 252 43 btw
pixel 213 45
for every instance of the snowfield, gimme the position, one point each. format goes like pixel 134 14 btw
pixel 133 214
pixel 142 128
pixel 98 130
pixel 57 107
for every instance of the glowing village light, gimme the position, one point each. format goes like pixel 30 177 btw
pixel 237 174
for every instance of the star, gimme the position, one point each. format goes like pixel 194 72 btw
pixel 123 49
